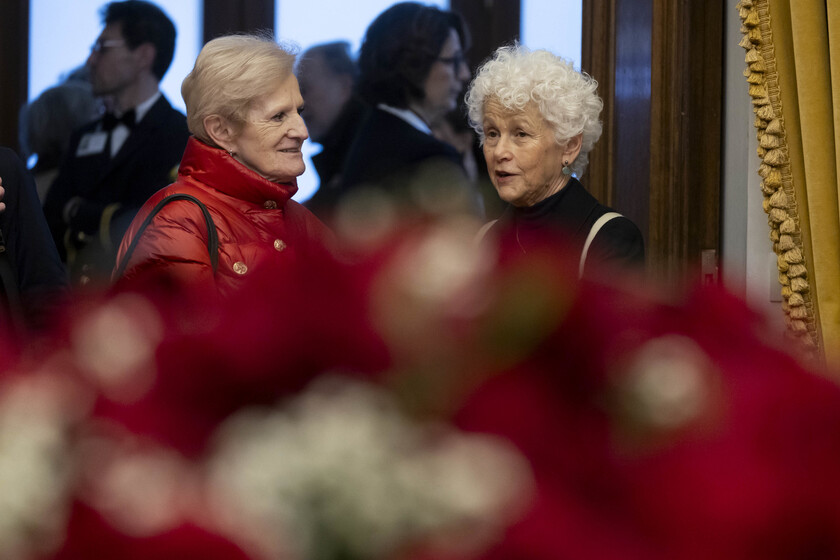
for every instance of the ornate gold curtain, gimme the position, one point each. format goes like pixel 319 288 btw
pixel 793 72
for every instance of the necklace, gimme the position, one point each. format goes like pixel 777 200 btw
pixel 518 242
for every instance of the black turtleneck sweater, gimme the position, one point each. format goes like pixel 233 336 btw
pixel 570 214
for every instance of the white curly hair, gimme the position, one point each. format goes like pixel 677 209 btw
pixel 566 98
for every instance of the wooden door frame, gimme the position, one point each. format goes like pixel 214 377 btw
pixel 665 58
pixel 598 60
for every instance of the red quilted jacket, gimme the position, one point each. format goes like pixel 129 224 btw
pixel 256 220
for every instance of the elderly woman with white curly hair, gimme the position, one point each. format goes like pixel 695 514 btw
pixel 537 119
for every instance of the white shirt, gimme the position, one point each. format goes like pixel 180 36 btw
pixel 408 116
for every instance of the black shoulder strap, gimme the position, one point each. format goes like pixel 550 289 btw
pixel 212 235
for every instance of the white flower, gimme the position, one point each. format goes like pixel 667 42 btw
pixel 667 385
pixel 342 469
pixel 444 264
pixel 116 343
pixel 140 487
pixel 34 464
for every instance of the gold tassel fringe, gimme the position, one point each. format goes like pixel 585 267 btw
pixel 776 185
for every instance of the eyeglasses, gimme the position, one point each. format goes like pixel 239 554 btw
pixel 456 60
pixel 105 44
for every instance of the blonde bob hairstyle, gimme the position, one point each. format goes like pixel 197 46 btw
pixel 230 73
pixel 566 98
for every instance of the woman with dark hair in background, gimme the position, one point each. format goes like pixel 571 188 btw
pixel 412 73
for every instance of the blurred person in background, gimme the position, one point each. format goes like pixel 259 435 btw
pixel 537 119
pixel 32 276
pixel 455 130
pixel 117 162
pixel 412 72
pixel 47 124
pixel 327 75
pixel 241 165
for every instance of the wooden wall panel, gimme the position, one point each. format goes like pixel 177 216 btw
pixel 632 118
pixel 491 23
pixel 686 125
pixel 598 60
pixel 660 156
pixel 14 67
pixel 222 17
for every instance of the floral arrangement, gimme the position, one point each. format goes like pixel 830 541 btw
pixel 428 399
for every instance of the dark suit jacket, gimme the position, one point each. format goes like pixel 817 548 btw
pixel 329 162
pixel 36 268
pixel 391 154
pixel 569 215
pixel 112 189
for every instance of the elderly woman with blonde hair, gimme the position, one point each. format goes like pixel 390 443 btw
pixel 230 210
pixel 537 119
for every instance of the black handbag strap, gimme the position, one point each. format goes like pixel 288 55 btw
pixel 212 234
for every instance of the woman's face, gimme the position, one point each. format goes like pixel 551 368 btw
pixel 270 141
pixel 524 160
pixel 446 79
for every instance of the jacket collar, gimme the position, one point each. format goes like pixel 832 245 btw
pixel 144 107
pixel 408 116
pixel 216 168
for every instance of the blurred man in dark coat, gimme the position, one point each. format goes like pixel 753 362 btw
pixel 32 279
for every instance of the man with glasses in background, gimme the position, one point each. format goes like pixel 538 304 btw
pixel 118 161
